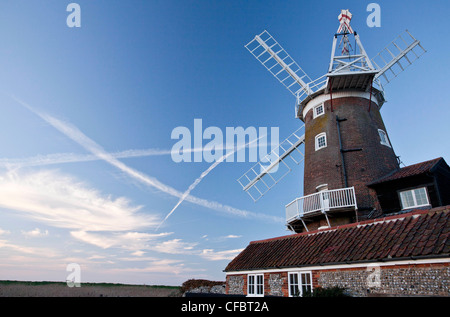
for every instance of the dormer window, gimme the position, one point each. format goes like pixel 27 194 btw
pixel 412 198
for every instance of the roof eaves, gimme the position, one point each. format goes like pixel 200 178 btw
pixel 388 177
pixel 380 260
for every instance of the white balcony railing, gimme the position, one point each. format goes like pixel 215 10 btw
pixel 322 201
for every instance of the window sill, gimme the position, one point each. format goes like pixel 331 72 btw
pixel 418 206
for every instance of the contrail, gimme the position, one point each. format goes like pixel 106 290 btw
pixel 77 136
pixel 62 158
pixel 203 175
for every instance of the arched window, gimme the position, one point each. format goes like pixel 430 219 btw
pixel 321 141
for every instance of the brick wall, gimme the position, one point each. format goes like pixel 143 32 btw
pixel 401 280
pixel 359 131
pixel 406 280
pixel 275 284
pixel 236 284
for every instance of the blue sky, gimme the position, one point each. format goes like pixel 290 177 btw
pixel 86 174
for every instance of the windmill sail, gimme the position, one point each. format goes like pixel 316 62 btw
pixel 273 167
pixel 281 65
pixel 395 57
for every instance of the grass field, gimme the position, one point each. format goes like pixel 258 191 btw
pixel 60 289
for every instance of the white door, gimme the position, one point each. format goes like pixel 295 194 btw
pixel 324 196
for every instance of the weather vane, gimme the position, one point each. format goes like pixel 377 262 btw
pixel 344 28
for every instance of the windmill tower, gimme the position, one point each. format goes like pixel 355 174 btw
pixel 343 143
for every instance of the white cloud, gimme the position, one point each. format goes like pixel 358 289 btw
pixel 232 236
pixel 212 255
pixel 4 232
pixel 27 250
pixel 138 253
pixel 35 233
pixel 95 257
pixel 97 240
pixel 139 243
pixel 159 266
pixel 134 241
pixel 174 246
pixel 59 200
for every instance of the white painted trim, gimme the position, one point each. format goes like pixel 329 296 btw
pixel 344 266
pixel 336 95
pixel 414 197
pixel 316 142
pixel 322 187
pixel 300 282
pixel 386 142
pixel 255 276
pixel 315 115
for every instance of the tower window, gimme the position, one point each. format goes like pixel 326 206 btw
pixel 414 198
pixel 383 138
pixel 318 111
pixel 321 141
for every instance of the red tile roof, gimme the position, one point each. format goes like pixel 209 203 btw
pixel 407 171
pixel 417 234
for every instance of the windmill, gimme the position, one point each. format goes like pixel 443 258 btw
pixel 343 142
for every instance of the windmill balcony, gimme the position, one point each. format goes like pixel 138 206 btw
pixel 322 202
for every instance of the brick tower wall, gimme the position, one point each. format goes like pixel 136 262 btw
pixel 360 130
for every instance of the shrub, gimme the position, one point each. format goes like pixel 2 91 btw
pixel 193 283
pixel 335 291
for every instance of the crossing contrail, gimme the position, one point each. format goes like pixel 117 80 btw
pixel 79 137
pixel 203 175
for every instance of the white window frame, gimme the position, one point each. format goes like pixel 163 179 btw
pixel 315 114
pixel 383 138
pixel 301 282
pixel 319 136
pixel 255 289
pixel 296 290
pixel 413 192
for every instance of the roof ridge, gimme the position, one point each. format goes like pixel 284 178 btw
pixel 427 161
